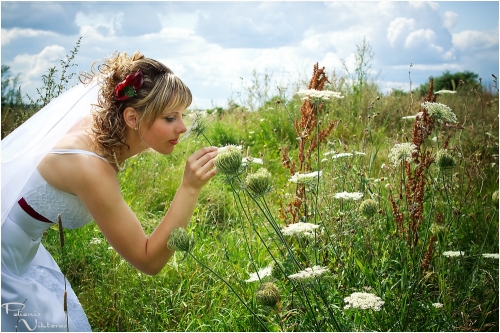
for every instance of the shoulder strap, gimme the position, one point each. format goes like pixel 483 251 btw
pixel 76 151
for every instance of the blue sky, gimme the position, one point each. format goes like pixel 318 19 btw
pixel 215 46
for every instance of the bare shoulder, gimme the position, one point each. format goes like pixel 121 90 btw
pixel 74 173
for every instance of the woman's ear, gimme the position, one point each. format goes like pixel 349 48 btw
pixel 131 117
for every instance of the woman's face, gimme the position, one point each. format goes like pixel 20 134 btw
pixel 164 134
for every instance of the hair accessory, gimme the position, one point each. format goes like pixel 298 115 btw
pixel 128 88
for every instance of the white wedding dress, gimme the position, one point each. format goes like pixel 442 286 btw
pixel 32 283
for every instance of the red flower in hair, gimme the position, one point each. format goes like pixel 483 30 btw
pixel 128 88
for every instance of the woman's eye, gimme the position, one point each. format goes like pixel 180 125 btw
pixel 170 119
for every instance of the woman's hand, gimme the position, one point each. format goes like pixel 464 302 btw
pixel 200 168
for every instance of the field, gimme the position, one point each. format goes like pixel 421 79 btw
pixel 397 232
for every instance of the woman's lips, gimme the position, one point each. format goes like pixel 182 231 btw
pixel 174 142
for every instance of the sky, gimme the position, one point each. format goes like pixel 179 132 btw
pixel 219 48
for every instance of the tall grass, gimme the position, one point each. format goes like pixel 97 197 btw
pixel 382 228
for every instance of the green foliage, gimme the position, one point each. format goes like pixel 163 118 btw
pixel 450 81
pixel 375 247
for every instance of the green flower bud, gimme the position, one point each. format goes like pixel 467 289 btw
pixel 229 160
pixel 368 208
pixel 259 183
pixel 494 197
pixel 445 160
pixel 268 294
pixel 180 240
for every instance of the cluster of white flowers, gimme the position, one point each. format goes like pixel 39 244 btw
pixel 309 273
pixel 341 155
pixel 440 112
pixel 361 300
pixel 437 305
pixel 453 253
pixel 490 255
pixel 348 195
pixel 262 273
pixel 95 241
pixel 224 148
pixel 302 178
pixel 401 152
pixel 444 91
pixel 250 159
pixel 300 228
pixel 318 94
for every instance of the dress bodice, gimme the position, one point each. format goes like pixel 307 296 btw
pixel 50 202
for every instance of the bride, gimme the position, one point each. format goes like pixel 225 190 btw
pixel 64 161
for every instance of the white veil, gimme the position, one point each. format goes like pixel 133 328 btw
pixel 23 149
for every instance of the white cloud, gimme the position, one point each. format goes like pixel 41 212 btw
pixel 423 4
pixel 450 20
pixel 420 37
pixel 398 28
pixel 105 23
pixel 470 40
pixel 9 35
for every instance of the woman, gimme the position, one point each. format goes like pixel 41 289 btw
pixel 64 161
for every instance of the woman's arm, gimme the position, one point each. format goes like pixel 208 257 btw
pixel 100 192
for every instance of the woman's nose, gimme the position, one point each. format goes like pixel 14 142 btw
pixel 182 127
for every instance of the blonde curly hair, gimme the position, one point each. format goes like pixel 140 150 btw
pixel 161 92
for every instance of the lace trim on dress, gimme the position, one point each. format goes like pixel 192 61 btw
pixel 49 202
pixel 45 277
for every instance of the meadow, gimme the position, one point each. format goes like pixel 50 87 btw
pixel 336 208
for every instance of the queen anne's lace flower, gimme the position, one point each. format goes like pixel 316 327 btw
pixel 229 160
pixel 362 300
pixel 300 228
pixel 491 255
pixel 180 240
pixel 261 273
pixel 453 253
pixel 318 94
pixel 305 177
pixel 249 159
pixel 440 112
pixel 309 273
pixel 268 294
pixel 341 155
pixel 401 152
pixel 444 91
pixel 259 183
pixel 437 305
pixel 348 196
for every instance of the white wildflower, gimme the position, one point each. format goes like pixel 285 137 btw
pixel 224 148
pixel 402 152
pixel 361 300
pixel 490 255
pixel 440 112
pixel 300 228
pixel 260 274
pixel 95 241
pixel 437 305
pixel 318 94
pixel 341 155
pixel 250 159
pixel 302 178
pixel 308 273
pixel 348 196
pixel 444 91
pixel 453 253
pixel 359 153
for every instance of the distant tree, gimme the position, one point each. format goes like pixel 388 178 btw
pixel 449 81
pixel 11 91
